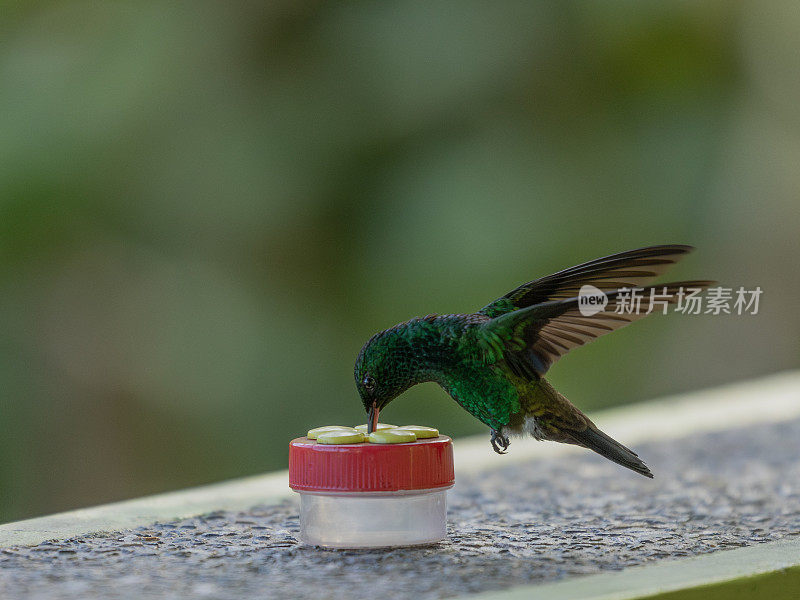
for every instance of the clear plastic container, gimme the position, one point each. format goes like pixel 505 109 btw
pixel 373 519
pixel 371 495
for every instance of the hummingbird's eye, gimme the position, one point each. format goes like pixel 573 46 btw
pixel 368 383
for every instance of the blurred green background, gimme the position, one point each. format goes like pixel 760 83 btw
pixel 206 208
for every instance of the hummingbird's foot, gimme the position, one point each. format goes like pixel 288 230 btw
pixel 500 443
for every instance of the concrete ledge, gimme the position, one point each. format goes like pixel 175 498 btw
pixel 237 494
pixel 716 409
pixel 728 574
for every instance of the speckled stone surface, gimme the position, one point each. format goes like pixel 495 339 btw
pixel 520 524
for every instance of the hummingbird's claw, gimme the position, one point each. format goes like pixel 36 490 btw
pixel 500 443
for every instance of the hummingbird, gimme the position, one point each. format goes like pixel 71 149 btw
pixel 492 362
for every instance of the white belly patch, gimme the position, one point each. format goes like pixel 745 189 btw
pixel 532 427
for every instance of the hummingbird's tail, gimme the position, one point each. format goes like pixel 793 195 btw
pixel 594 439
pixel 548 415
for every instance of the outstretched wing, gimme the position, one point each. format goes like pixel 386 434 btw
pixel 531 339
pixel 627 269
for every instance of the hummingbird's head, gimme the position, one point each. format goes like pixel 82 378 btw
pixel 382 372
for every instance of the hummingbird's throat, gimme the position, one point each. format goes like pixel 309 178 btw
pixel 372 423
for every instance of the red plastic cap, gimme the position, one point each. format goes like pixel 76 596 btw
pixel 419 465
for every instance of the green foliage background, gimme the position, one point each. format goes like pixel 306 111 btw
pixel 207 207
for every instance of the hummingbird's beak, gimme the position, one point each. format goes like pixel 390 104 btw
pixel 372 421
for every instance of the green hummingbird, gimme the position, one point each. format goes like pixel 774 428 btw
pixel 492 362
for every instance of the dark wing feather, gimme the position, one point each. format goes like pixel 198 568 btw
pixel 627 269
pixel 535 337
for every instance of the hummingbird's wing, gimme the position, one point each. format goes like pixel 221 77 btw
pixel 627 269
pixel 531 339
